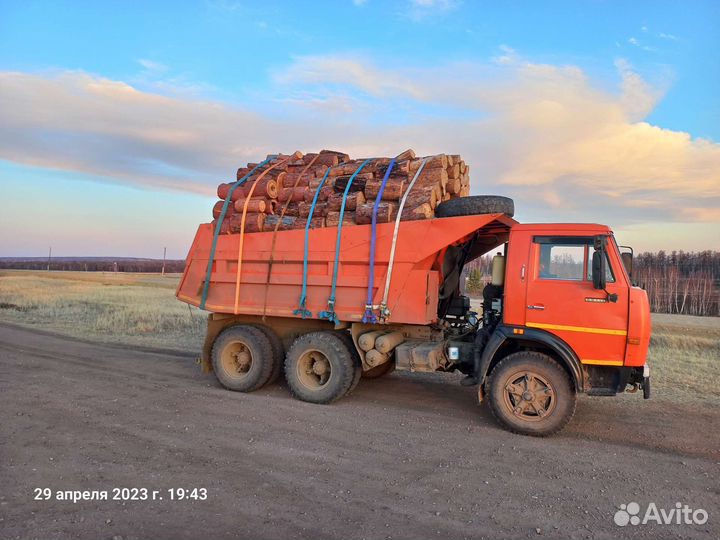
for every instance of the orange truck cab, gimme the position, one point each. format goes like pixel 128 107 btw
pixel 560 316
pixel 566 295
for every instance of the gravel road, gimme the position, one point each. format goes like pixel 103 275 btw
pixel 406 456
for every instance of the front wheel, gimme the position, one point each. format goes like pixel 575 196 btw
pixel 531 394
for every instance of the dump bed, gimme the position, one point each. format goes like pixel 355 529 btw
pixel 271 269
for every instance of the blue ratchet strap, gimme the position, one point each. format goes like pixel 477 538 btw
pixel 218 224
pixel 302 311
pixel 330 313
pixel 369 315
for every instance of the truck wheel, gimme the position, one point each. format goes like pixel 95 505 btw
pixel 476 204
pixel 350 344
pixel 379 371
pixel 242 358
pixel 278 352
pixel 319 367
pixel 530 393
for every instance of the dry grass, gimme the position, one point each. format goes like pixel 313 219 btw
pixel 138 309
pixel 685 358
pixel 141 309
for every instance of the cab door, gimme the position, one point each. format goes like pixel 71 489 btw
pixel 561 299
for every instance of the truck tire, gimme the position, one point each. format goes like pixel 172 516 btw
pixel 476 204
pixel 345 335
pixel 242 358
pixel 379 371
pixel 278 352
pixel 531 394
pixel 319 367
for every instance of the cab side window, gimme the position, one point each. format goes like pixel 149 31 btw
pixel 562 261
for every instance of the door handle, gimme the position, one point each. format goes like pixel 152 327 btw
pixel 537 306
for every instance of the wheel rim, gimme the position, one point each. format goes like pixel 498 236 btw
pixel 529 396
pixel 236 359
pixel 314 369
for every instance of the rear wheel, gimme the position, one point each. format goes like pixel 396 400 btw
pixel 242 358
pixel 278 352
pixel 530 393
pixel 350 344
pixel 319 367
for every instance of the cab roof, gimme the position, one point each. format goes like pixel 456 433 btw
pixel 565 228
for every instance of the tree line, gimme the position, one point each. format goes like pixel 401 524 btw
pixel 680 281
pixel 95 265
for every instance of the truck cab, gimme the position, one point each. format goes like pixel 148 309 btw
pixel 565 300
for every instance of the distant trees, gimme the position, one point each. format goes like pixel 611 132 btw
pixel 474 283
pixel 476 274
pixel 680 281
pixel 95 265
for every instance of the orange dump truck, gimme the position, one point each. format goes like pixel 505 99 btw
pixel 330 306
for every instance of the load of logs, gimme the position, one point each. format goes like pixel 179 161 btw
pixel 282 197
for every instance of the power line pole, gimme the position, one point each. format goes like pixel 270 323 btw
pixel 49 257
pixel 164 254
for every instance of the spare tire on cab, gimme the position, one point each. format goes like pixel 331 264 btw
pixel 476 204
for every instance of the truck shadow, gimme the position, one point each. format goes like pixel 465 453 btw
pixel 626 420
pixel 436 393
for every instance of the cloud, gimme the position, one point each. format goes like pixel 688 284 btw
pixel 152 66
pixel 359 2
pixel 356 72
pixel 420 10
pixel 78 122
pixel 508 56
pixel 561 144
pixel 442 5
pixel 545 134
pixel 636 43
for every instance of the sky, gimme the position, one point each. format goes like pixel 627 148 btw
pixel 118 119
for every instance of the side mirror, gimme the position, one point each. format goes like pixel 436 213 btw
pixel 627 259
pixel 599 269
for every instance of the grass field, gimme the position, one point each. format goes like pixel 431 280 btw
pixel 138 309
pixel 141 309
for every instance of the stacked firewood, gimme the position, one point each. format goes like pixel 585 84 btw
pixel 282 197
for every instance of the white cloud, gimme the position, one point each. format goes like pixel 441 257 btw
pixel 435 4
pixel 357 72
pixel 544 134
pixel 508 56
pixel 670 37
pixel 421 10
pixel 636 43
pixel 152 66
